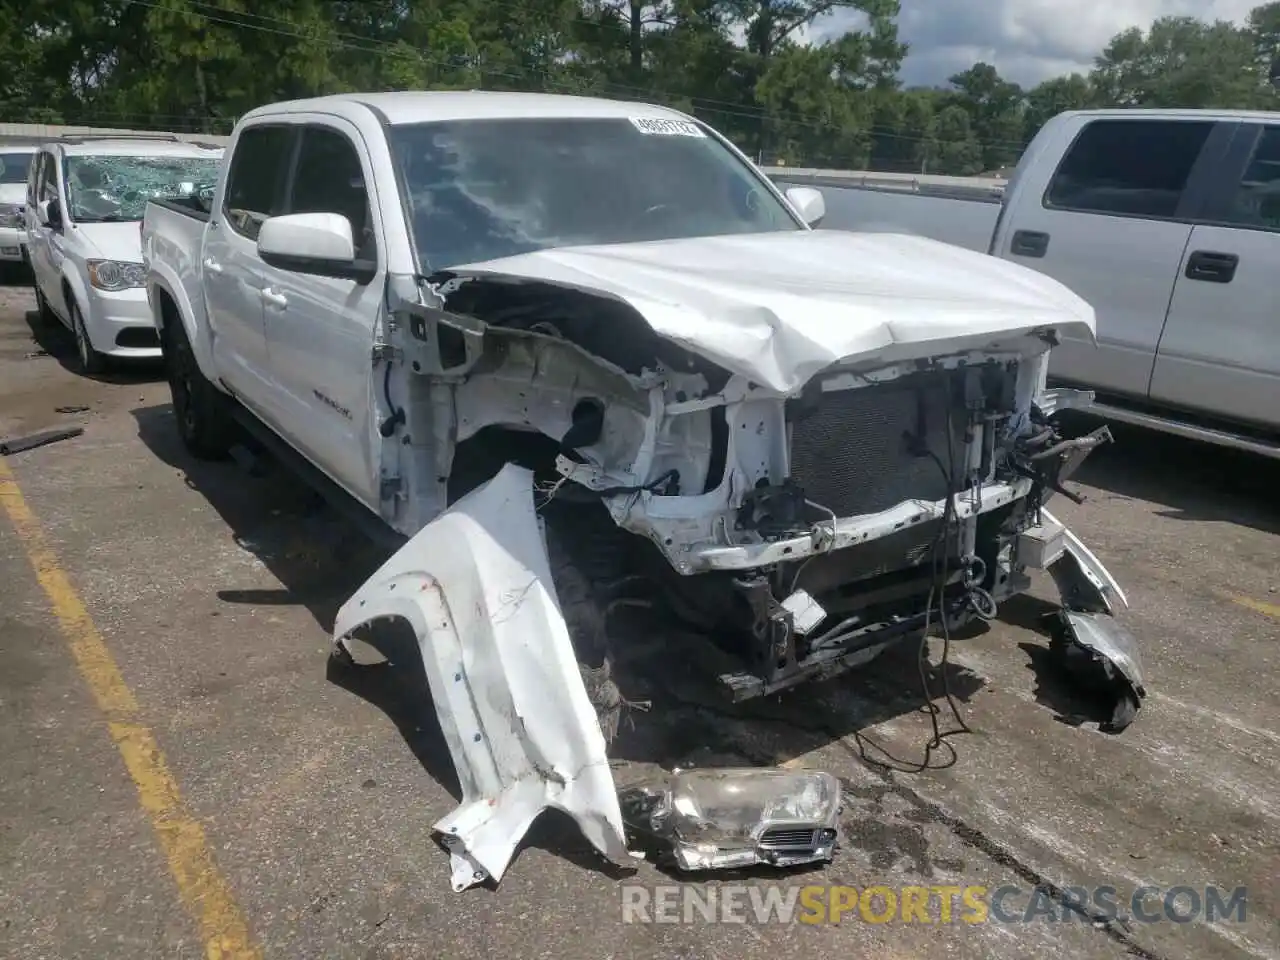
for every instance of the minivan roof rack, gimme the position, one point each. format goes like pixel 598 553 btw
pixel 167 137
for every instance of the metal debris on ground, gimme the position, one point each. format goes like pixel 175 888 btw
pixel 77 408
pixel 1102 655
pixel 39 439
pixel 733 817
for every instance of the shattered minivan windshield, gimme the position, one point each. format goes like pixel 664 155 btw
pixel 116 188
pixel 483 189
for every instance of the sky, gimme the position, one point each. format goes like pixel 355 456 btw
pixel 1026 40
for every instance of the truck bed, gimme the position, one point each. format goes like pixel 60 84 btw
pixel 965 221
pixel 196 207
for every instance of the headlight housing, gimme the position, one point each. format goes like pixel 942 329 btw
pixel 116 274
pixel 12 215
pixel 727 818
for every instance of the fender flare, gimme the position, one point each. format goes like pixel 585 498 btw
pixel 164 279
pixel 475 584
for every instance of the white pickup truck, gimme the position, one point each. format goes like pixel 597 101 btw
pixel 561 344
pixel 1168 223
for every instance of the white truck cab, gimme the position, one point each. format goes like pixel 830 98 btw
pixel 562 346
pixel 85 200
pixel 15 165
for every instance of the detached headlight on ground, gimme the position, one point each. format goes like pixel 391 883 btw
pixel 116 274
pixel 729 818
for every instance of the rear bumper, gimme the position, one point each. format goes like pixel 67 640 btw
pixel 120 324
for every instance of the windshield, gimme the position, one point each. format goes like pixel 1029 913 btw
pixel 14 167
pixel 104 188
pixel 483 189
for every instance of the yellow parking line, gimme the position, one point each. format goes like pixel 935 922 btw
pixel 1257 606
pixel 204 891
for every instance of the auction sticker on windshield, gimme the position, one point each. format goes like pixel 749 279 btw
pixel 667 128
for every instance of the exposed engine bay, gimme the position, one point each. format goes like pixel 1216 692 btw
pixel 805 531
pixel 800 511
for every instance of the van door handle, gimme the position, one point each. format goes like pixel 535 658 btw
pixel 1212 267
pixel 212 265
pixel 276 299
pixel 1029 243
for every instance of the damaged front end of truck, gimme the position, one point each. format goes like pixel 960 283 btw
pixel 802 490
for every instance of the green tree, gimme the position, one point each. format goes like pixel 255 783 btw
pixel 957 151
pixel 995 108
pixel 1179 62
pixel 1052 97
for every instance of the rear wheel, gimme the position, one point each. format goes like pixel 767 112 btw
pixel 91 361
pixel 202 411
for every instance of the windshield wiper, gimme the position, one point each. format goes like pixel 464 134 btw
pixel 109 218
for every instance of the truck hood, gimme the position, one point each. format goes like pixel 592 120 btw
pixel 780 307
pixel 13 193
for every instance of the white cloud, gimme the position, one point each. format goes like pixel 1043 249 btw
pixel 1026 40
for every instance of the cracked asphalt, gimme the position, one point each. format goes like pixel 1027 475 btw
pixel 310 791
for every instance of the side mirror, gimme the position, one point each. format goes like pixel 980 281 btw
pixel 809 203
pixel 314 243
pixel 49 213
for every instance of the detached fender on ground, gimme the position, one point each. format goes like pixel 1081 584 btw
pixel 475 585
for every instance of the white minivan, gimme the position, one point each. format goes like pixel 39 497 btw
pixel 15 165
pixel 85 199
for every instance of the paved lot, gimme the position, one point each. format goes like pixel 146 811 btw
pixel 185 776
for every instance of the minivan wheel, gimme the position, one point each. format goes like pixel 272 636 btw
pixel 91 361
pixel 202 411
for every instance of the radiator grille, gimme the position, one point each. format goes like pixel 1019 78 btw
pixel 790 838
pixel 850 453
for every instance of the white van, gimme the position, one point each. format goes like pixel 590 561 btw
pixel 15 166
pixel 85 198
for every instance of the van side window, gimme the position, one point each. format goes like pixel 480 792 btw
pixel 1128 167
pixel 329 179
pixel 1256 202
pixel 256 178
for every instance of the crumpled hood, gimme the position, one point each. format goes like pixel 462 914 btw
pixel 780 307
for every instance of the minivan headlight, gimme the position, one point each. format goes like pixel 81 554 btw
pixel 116 274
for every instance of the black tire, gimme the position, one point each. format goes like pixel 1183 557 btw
pixel 584 606
pixel 202 411
pixel 44 313
pixel 91 361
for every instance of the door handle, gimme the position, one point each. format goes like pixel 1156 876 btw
pixel 212 265
pixel 274 298
pixel 1029 243
pixel 1212 267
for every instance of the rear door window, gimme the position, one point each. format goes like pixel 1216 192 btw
pixel 256 177
pixel 1255 201
pixel 1136 168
